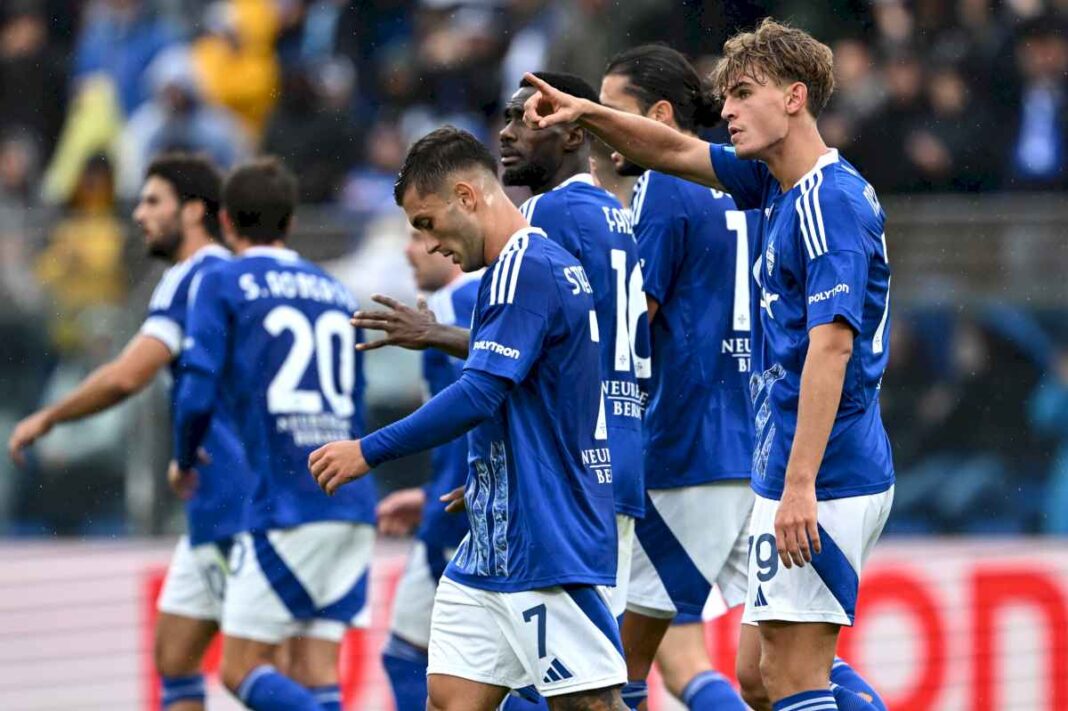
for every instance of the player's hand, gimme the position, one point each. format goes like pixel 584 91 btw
pixel 797 536
pixel 401 511
pixel 454 501
pixel 548 106
pixel 335 464
pixel 404 326
pixel 26 433
pixel 183 482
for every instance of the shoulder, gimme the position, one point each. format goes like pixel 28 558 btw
pixel 524 269
pixel 839 209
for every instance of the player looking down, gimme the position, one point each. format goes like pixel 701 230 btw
pixel 521 603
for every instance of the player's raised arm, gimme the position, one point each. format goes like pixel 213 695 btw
pixel 415 329
pixel 644 141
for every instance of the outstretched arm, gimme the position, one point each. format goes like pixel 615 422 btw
pixel 105 387
pixel 647 142
pixel 415 329
pixel 475 397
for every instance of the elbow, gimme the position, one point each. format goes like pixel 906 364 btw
pixel 124 385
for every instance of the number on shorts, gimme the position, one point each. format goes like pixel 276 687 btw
pixel 767 565
pixel 540 612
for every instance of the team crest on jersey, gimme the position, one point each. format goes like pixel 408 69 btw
pixel 769 258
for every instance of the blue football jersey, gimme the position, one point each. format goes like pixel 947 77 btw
pixel 823 258
pixel 453 306
pixel 273 331
pixel 695 248
pixel 217 509
pixel 539 484
pixel 590 223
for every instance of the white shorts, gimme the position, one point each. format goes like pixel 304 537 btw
pixel 690 539
pixel 617 596
pixel 414 599
pixel 824 590
pixel 561 641
pixel 196 580
pixel 310 580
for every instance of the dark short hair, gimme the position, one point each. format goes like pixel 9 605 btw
pixel 438 154
pixel 656 72
pixel 194 178
pixel 260 197
pixel 567 83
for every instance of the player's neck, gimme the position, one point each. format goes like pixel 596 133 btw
pixel 193 242
pixel 796 155
pixel 574 164
pixel 241 245
pixel 507 220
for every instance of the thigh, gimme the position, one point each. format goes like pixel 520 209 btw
pixel 313 661
pixel 413 602
pixel 181 643
pixel 452 693
pixel 642 636
pixel 796 656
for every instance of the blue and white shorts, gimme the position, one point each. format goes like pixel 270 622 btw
pixel 311 580
pixel 691 538
pixel 824 590
pixel 558 640
pixel 196 580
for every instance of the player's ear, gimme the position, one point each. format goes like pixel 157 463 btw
pixel 796 97
pixel 662 111
pixel 465 194
pixel 574 138
pixel 192 212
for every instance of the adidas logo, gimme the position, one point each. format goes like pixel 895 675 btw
pixel 557 672
pixel 760 601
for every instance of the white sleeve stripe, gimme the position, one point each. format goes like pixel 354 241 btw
pixel 804 230
pixel 165 330
pixel 639 197
pixel 515 268
pixel 506 270
pixel 808 224
pixel 819 213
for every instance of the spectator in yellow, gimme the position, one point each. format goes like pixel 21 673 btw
pixel 235 60
pixel 82 266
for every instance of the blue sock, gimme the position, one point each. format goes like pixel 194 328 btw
pixel 819 700
pixel 848 700
pixel 405 665
pixel 634 693
pixel 525 699
pixel 264 689
pixel 181 688
pixel 844 675
pixel 710 691
pixel 329 696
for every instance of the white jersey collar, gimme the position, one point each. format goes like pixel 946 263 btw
pixel 282 254
pixel 828 158
pixel 577 178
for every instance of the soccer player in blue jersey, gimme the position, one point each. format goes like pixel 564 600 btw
pixel 695 246
pixel 178 213
pixel 590 223
pixel 823 473
pixel 522 601
pixel 269 338
pixel 452 296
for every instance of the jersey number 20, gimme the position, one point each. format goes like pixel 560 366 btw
pixel 284 394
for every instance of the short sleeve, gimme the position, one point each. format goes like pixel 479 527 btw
pixel 208 324
pixel 743 179
pixel 834 244
pixel 514 316
pixel 167 312
pixel 657 214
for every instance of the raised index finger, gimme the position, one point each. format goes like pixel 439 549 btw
pixel 388 301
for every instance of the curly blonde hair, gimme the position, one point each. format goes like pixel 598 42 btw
pixel 781 53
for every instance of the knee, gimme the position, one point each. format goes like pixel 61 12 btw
pixel 236 664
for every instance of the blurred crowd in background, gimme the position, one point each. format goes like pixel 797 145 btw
pixel 933 96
